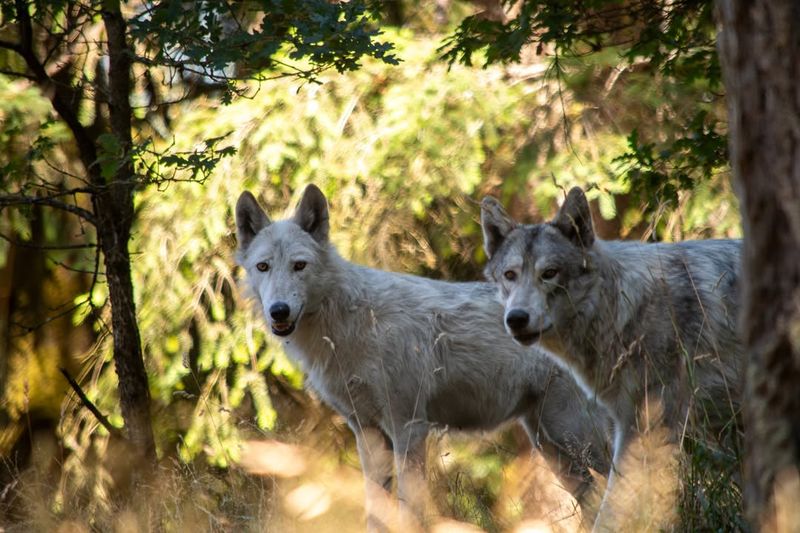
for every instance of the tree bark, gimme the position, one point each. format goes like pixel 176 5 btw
pixel 760 53
pixel 114 210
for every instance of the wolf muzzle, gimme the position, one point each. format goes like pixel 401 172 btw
pixel 518 323
pixel 517 319
pixel 279 312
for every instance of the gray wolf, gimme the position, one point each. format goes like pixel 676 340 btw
pixel 397 355
pixel 639 325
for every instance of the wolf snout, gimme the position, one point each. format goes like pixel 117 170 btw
pixel 279 311
pixel 517 319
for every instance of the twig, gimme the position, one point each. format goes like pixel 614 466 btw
pixel 113 431
pixel 15 74
pixel 47 246
pixel 74 306
pixel 19 199
pixel 28 329
pixel 8 45
pixel 73 269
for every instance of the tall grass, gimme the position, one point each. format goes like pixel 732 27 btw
pixel 492 482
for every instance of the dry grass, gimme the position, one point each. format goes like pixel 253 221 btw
pixel 645 493
pixel 488 483
pixel 314 484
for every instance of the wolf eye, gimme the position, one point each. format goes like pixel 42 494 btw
pixel 550 273
pixel 299 265
pixel 262 267
pixel 510 275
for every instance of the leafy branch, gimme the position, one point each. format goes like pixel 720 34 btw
pixel 658 172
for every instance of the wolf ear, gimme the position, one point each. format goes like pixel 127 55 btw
pixel 574 219
pixel 495 223
pixel 312 213
pixel 250 219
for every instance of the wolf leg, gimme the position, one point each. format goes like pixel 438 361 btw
pixel 412 485
pixel 566 458
pixel 572 434
pixel 607 517
pixel 375 453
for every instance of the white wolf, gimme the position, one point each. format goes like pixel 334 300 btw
pixel 639 325
pixel 396 355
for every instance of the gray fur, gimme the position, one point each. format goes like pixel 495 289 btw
pixel 633 321
pixel 398 355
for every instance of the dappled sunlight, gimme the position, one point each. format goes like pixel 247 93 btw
pixel 453 526
pixel 308 501
pixel 534 493
pixel 784 511
pixel 527 490
pixel 78 527
pixel 128 521
pixel 314 490
pixel 645 491
pixel 273 458
pixel 533 526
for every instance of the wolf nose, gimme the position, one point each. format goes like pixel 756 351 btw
pixel 517 319
pixel 279 311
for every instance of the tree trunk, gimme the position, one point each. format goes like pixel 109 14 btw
pixel 112 200
pixel 114 209
pixel 760 55
pixel 134 393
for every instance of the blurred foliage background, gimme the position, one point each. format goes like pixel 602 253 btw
pixel 404 153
